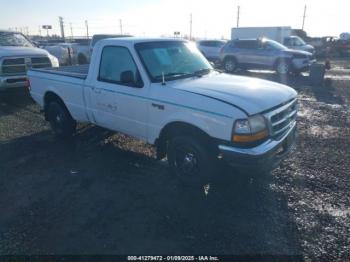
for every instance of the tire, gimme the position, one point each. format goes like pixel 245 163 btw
pixel 230 65
pixel 283 67
pixel 190 161
pixel 61 122
pixel 82 60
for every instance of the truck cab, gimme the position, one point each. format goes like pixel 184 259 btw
pixel 297 43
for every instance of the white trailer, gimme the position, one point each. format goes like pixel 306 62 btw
pixel 281 34
pixel 278 33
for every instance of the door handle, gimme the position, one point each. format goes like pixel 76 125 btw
pixel 160 107
pixel 96 90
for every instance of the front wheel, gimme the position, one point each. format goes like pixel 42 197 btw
pixel 283 67
pixel 190 161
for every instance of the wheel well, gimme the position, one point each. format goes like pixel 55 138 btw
pixel 180 128
pixel 230 57
pixel 50 97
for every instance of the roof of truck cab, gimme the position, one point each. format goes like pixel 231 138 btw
pixel 135 40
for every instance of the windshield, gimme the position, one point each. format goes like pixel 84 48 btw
pixel 274 45
pixel 14 39
pixel 298 41
pixel 172 60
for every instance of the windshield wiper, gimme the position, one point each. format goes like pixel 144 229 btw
pixel 173 75
pixel 202 72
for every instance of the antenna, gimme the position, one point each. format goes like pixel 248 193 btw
pixel 163 79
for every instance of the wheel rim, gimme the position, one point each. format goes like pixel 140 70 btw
pixel 186 161
pixel 229 65
pixel 282 68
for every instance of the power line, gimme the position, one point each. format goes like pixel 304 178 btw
pixel 190 26
pixel 87 28
pixel 238 15
pixel 121 26
pixel 71 29
pixel 61 26
pixel 304 17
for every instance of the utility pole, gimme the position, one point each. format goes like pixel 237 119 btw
pixel 238 15
pixel 190 26
pixel 61 26
pixel 121 26
pixel 304 17
pixel 87 29
pixel 71 30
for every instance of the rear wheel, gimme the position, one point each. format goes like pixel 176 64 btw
pixel 61 122
pixel 190 161
pixel 230 65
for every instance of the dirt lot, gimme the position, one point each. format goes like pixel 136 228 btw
pixel 104 193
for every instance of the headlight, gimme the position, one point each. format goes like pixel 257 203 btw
pixel 249 130
pixel 54 61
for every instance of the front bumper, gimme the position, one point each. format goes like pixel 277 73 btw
pixel 7 82
pixel 264 157
pixel 302 65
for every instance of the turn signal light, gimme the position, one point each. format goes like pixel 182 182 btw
pixel 249 138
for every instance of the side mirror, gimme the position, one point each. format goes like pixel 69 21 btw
pixel 127 78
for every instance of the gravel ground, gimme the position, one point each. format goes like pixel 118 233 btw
pixel 104 193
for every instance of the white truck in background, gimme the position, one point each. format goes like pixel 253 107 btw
pixel 281 34
pixel 17 55
pixel 164 91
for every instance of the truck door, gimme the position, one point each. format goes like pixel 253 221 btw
pixel 117 95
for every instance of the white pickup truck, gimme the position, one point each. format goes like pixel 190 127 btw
pixel 166 93
pixel 17 55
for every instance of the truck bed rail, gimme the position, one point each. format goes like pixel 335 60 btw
pixel 78 71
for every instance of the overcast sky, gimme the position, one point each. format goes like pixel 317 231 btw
pixel 211 19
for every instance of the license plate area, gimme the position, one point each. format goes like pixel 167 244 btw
pixel 287 143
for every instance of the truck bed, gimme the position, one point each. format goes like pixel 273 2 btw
pixel 78 71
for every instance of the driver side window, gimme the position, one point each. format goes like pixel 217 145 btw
pixel 117 66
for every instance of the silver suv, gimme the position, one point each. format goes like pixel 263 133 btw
pixel 264 54
pixel 211 48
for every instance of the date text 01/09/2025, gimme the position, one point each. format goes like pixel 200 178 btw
pixel 172 258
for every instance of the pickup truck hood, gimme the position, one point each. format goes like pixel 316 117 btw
pixel 21 51
pixel 250 94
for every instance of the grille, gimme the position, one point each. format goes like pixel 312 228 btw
pixel 16 61
pixel 281 119
pixel 41 62
pixel 15 66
